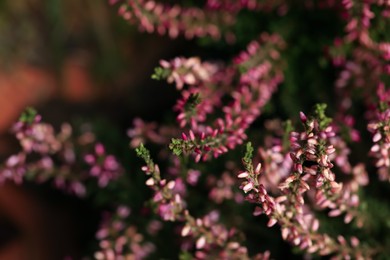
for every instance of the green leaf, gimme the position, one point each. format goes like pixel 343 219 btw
pixel 319 112
pixel 248 153
pixel 143 153
pixel 160 73
pixel 176 146
pixel 185 256
pixel 28 115
pixel 193 100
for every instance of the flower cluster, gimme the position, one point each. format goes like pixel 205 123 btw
pixel 315 147
pixel 295 217
pixel 118 240
pixel 170 204
pixel 236 6
pixel 379 127
pixel 175 20
pixel 213 240
pixel 38 137
pixel 187 71
pixel 215 19
pixel 144 132
pixel 210 238
pixel 223 188
pixel 365 66
pixel 104 167
pixel 50 156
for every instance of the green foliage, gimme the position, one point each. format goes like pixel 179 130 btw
pixel 176 146
pixel 143 153
pixel 185 256
pixel 288 128
pixel 247 160
pixel 248 153
pixel 319 113
pixel 160 73
pixel 192 102
pixel 28 115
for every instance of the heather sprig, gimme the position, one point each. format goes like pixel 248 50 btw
pixel 258 71
pixel 120 240
pixel 300 227
pixel 215 19
pixel 50 156
pixel 315 147
pixel 210 238
pixel 213 239
pixel 174 20
pixel 253 5
pixel 144 132
pixel 361 54
pixel 379 127
pixel 170 205
pixel 104 167
pixel 290 209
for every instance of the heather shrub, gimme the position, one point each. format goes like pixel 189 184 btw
pixel 277 146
